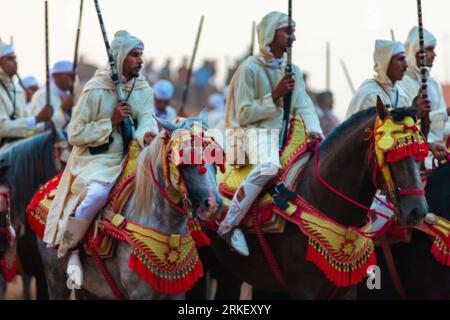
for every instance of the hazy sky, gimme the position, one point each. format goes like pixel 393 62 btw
pixel 168 28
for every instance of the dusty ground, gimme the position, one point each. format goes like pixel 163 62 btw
pixel 14 291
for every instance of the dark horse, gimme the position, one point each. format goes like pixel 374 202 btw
pixel 421 275
pixel 343 163
pixel 33 162
pixel 4 166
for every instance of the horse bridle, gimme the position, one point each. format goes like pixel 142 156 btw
pixel 173 155
pixel 392 142
pixel 405 130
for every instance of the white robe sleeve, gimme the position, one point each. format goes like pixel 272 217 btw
pixel 438 119
pixel 83 131
pixel 18 128
pixel 249 109
pixel 145 120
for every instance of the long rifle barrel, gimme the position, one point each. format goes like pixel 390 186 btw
pixel 426 122
pixel 77 42
pixel 191 66
pixel 287 99
pixel 126 125
pixel 47 63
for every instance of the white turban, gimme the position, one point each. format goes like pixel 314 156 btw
pixel 63 66
pixel 5 49
pixel 30 81
pixel 384 51
pixel 412 45
pixel 163 90
pixel 121 46
pixel 267 27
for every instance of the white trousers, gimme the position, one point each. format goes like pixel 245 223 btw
pixel 266 153
pixel 96 198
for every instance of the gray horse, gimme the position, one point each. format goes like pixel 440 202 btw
pixel 148 207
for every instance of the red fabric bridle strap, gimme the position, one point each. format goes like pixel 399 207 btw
pixel 329 187
pixel 164 193
pixel 410 192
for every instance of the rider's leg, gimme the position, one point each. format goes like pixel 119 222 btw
pixel 77 225
pixel 268 167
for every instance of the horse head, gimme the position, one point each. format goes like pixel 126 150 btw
pixel 400 148
pixel 192 158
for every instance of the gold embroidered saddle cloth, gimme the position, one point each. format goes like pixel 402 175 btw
pixel 293 158
pixel 37 210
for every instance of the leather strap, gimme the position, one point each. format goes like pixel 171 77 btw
pixel 392 268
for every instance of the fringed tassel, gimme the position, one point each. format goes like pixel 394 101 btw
pixel 200 237
pixel 418 150
pixel 340 274
pixel 164 285
pixel 441 252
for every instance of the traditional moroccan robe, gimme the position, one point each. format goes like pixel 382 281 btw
pixel 60 118
pixel 23 124
pixel 391 94
pixel 412 82
pixel 91 126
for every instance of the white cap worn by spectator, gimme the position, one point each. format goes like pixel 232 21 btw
pixel 63 66
pixel 6 49
pixel 30 81
pixel 163 90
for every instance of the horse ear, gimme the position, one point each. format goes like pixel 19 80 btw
pixel 382 111
pixel 204 117
pixel 165 124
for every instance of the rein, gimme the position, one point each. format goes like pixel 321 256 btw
pixel 380 162
pixel 340 194
pixel 164 193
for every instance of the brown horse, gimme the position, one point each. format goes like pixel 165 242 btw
pixel 421 276
pixel 343 163
pixel 148 207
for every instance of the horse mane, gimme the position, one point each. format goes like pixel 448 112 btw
pixel 144 181
pixel 32 164
pixel 363 116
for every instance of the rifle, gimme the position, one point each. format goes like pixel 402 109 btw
pixel 47 64
pixel 77 41
pixel 126 126
pixel 426 122
pixel 287 99
pixel 191 65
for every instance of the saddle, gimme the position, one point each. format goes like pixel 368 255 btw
pixel 293 158
pixel 169 263
pixel 38 208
